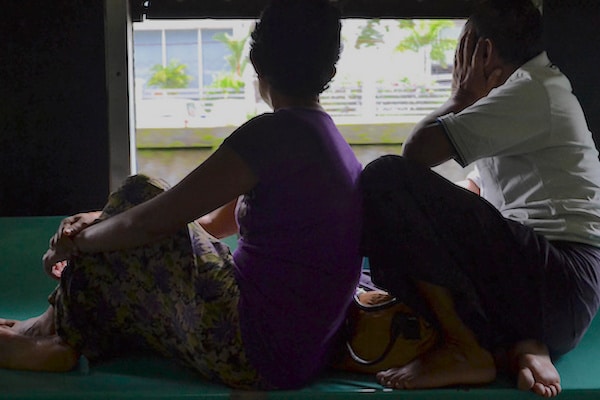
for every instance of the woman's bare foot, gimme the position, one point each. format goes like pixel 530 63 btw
pixel 35 353
pixel 450 364
pixel 8 323
pixel 57 269
pixel 42 325
pixel 26 327
pixel 530 361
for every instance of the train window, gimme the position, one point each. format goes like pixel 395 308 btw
pixel 194 85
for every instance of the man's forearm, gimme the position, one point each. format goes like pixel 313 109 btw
pixel 428 143
pixel 454 104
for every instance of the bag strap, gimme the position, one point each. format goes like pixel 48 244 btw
pixel 402 324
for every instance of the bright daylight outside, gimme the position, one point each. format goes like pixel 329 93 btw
pixel 194 85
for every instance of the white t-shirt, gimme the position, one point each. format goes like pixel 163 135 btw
pixel 535 159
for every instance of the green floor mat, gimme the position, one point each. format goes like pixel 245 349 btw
pixel 23 291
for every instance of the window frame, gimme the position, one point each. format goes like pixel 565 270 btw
pixel 119 18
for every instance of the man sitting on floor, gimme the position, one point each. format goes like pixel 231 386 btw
pixel 516 266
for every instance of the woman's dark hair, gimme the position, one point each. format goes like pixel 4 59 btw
pixel 296 45
pixel 514 26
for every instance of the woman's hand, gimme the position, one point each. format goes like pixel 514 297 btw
pixel 61 247
pixel 74 224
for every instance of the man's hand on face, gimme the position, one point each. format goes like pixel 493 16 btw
pixel 470 80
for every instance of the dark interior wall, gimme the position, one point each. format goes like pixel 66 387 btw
pixel 53 114
pixel 54 157
pixel 573 40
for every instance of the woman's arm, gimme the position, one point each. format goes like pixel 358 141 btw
pixel 217 181
pixel 221 222
pixel 71 226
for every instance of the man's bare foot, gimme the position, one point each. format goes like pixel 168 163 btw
pixel 530 361
pixel 459 361
pixel 451 364
pixel 35 353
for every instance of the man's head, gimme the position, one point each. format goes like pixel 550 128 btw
pixel 513 26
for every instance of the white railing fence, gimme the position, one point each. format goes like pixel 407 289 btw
pixel 384 100
pixel 365 101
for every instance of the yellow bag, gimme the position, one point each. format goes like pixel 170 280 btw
pixel 382 332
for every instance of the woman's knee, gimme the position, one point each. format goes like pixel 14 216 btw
pixel 134 190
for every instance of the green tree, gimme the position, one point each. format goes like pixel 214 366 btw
pixel 425 34
pixel 170 76
pixel 228 80
pixel 369 35
pixel 237 60
pixel 422 36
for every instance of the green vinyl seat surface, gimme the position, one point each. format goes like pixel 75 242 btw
pixel 23 293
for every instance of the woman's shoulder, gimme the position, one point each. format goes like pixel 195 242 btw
pixel 258 120
pixel 253 127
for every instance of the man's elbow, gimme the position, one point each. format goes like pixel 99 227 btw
pixel 413 150
pixel 410 150
pixel 429 147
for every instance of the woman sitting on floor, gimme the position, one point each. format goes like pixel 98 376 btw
pixel 145 276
